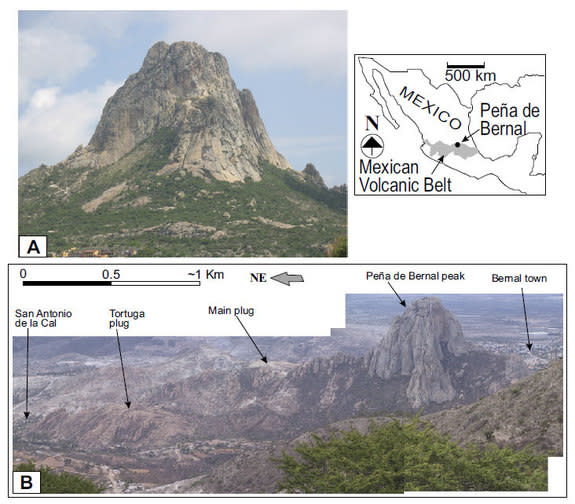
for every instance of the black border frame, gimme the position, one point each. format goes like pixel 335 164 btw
pixel 280 496
pixel 20 256
pixel 356 55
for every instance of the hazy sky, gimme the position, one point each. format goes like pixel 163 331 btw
pixel 294 62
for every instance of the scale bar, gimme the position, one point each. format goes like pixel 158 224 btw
pixel 111 283
pixel 66 283
pixel 155 283
pixel 482 65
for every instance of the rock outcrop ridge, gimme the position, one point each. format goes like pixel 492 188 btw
pixel 422 364
pixel 312 175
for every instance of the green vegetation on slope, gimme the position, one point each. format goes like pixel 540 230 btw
pixel 60 483
pixel 397 457
pixel 175 214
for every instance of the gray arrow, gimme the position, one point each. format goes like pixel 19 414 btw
pixel 286 279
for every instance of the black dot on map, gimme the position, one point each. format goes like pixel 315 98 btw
pixel 457 144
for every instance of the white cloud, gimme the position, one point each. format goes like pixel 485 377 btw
pixel 44 98
pixel 49 57
pixel 53 124
pixel 308 40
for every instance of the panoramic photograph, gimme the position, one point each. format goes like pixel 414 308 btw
pixel 183 133
pixel 442 395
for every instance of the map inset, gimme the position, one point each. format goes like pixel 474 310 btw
pixel 450 124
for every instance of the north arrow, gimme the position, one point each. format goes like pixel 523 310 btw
pixel 466 138
pixel 439 161
pixel 264 358
pixel 372 143
pixel 286 279
pixel 27 412
pixel 528 344
pixel 401 301
pixel 127 402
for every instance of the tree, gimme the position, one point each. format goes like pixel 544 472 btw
pixel 60 483
pixel 407 456
pixel 339 247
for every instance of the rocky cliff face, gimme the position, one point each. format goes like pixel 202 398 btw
pixel 184 87
pixel 426 344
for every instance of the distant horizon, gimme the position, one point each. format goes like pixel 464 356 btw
pixel 62 91
pixel 478 314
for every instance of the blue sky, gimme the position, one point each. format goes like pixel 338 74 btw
pixel 294 62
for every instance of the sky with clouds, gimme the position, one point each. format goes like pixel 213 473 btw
pixel 294 62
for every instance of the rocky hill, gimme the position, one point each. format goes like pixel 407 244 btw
pixel 180 164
